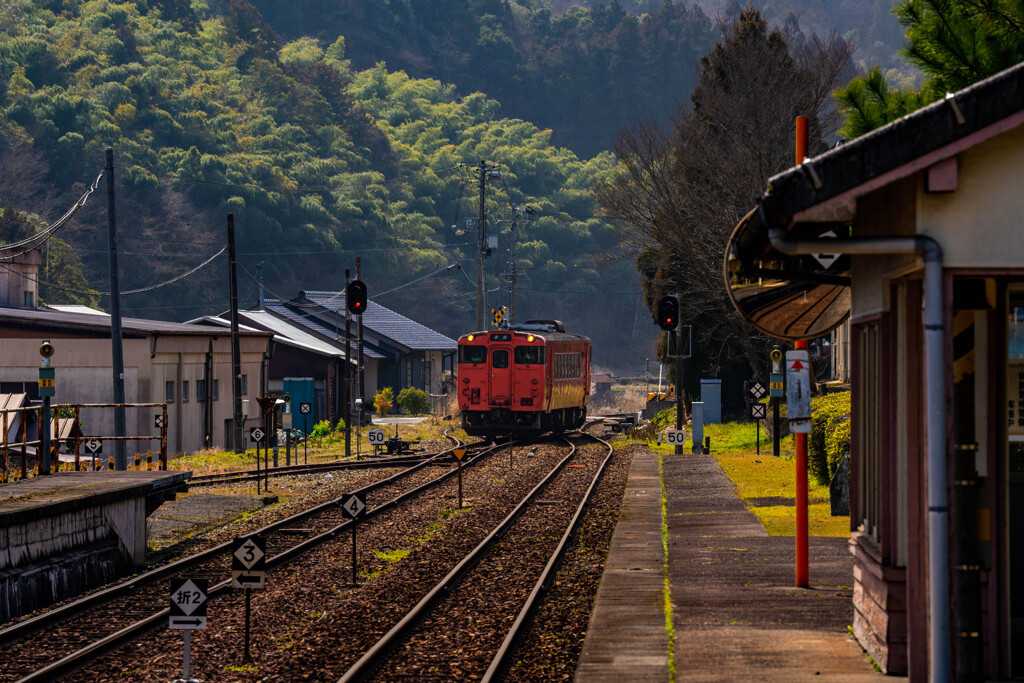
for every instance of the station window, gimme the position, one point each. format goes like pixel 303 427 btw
pixel 184 392
pixel 245 385
pixel 169 392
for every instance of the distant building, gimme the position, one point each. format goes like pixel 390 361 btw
pixel 309 341
pixel 164 362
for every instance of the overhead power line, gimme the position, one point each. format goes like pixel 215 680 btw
pixel 37 239
pixel 92 292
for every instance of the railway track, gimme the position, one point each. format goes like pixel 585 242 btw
pixel 293 470
pixel 489 579
pixel 84 630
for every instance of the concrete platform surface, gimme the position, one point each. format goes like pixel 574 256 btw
pixel 735 611
pixel 28 499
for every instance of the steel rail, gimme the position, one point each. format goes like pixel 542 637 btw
pixel 113 641
pixel 501 659
pixel 289 470
pixel 372 658
pixel 24 628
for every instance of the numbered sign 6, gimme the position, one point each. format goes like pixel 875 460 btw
pixel 375 436
pixel 675 437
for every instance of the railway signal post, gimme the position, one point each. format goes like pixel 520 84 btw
pixel 459 453
pixel 188 612
pixel 248 571
pixel 353 506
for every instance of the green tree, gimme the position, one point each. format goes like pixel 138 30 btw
pixel 683 189
pixel 414 401
pixel 384 401
pixel 953 42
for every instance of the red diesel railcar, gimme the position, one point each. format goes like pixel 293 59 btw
pixel 526 379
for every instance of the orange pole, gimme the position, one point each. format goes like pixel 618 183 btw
pixel 801 439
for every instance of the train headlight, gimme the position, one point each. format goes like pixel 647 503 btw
pixel 470 337
pixel 529 338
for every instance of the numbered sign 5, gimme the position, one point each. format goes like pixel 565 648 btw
pixel 376 436
pixel 675 437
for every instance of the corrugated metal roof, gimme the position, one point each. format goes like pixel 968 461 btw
pixel 395 326
pixel 76 308
pixel 88 322
pixel 310 323
pixel 284 331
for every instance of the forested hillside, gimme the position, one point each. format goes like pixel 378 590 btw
pixel 210 113
pixel 587 69
pixel 584 73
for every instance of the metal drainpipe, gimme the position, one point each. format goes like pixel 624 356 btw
pixel 935 396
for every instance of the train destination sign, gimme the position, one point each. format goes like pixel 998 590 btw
pixel 789 297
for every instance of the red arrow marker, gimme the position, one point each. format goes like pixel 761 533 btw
pixel 797 365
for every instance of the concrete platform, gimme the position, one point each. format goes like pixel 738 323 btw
pixel 28 499
pixel 735 612
pixel 66 532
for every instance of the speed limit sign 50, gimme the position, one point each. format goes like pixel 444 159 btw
pixel 375 436
pixel 675 437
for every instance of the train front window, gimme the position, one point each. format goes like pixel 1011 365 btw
pixel 499 359
pixel 472 354
pixel 529 355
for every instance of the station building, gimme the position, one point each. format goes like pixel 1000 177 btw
pixel 948 177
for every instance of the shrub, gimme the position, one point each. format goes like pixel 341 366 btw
pixel 340 427
pixel 829 439
pixel 321 429
pixel 414 401
pixel 384 401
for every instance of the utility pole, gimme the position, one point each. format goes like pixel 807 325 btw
pixel 348 375
pixel 484 171
pixel 519 211
pixel 359 359
pixel 236 352
pixel 116 345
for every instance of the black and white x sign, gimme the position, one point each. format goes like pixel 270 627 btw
pixel 305 408
pixel 758 411
pixel 353 505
